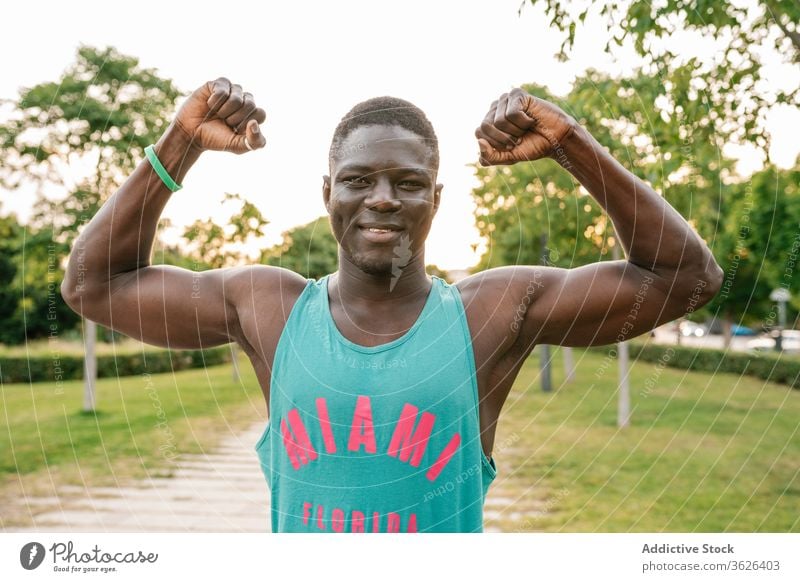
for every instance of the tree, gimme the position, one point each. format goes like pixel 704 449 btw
pixel 101 114
pixel 10 246
pixel 720 96
pixel 759 252
pixel 310 250
pixel 730 79
pixel 212 245
pixel 517 204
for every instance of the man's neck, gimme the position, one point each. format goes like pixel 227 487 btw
pixel 350 283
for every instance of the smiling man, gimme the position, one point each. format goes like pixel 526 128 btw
pixel 384 385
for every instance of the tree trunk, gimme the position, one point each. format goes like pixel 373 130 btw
pixel 569 365
pixel 235 361
pixel 544 367
pixel 89 365
pixel 727 331
pixel 624 402
pixel 624 397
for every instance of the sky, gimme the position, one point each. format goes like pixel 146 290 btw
pixel 307 63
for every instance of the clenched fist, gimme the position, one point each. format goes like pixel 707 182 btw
pixel 221 116
pixel 520 127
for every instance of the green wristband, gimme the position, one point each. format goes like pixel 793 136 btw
pixel 160 169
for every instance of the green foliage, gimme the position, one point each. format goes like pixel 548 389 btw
pixel 310 250
pixel 768 367
pixel 30 299
pixel 751 225
pixel 10 235
pixel 669 147
pixel 213 246
pixel 40 311
pixel 98 116
pixel 102 113
pixel 659 32
pixel 759 246
pixel 517 204
pixel 104 105
pixel 61 368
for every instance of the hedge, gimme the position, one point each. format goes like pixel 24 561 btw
pixel 60 368
pixel 767 366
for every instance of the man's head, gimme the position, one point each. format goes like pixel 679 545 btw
pixel 382 194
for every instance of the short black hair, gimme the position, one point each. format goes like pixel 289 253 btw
pixel 386 111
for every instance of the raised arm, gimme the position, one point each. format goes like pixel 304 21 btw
pixel 109 278
pixel 669 270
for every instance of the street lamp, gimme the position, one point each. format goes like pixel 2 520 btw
pixel 781 296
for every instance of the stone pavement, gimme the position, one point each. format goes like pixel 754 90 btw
pixel 223 491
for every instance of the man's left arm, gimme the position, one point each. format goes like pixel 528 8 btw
pixel 669 270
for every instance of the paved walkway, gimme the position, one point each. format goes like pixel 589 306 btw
pixel 223 491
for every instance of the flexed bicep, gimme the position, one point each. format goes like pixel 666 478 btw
pixel 599 304
pixel 168 306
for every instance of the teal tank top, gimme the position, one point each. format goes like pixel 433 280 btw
pixel 375 439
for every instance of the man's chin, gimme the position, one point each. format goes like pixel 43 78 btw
pixel 373 267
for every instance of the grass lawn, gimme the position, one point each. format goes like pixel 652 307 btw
pixel 142 424
pixel 47 347
pixel 703 453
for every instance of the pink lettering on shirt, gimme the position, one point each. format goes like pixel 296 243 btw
pixel 325 426
pixel 444 457
pixel 404 441
pixel 362 432
pixel 358 522
pixel 298 445
pixel 337 520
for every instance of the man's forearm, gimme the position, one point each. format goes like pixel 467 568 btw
pixel 655 236
pixel 119 238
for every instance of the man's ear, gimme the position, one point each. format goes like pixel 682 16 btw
pixel 326 192
pixel 437 195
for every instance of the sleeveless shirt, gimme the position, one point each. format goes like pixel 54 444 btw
pixel 375 439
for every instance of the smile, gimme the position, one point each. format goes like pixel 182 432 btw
pixel 380 234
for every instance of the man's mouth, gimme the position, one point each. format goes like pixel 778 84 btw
pixel 380 233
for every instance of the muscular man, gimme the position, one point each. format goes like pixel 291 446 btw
pixel 384 385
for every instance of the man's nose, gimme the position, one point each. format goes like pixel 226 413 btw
pixel 382 197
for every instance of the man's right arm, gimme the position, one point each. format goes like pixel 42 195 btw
pixel 109 278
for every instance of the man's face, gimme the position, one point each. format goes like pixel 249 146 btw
pixel 381 196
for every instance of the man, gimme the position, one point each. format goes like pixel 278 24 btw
pixel 384 385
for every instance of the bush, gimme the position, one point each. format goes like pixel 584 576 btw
pixel 780 369
pixel 60 368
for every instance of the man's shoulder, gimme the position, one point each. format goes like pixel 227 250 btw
pixel 265 283
pixel 497 300
pixel 500 284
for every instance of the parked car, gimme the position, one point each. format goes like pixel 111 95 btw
pixel 742 330
pixel 691 329
pixel 790 341
pixel 716 326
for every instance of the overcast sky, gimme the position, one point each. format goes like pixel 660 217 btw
pixel 307 63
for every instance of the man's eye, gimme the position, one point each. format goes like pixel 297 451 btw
pixel 411 185
pixel 358 182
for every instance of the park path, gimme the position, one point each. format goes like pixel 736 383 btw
pixel 221 491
